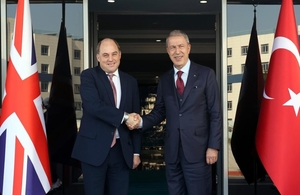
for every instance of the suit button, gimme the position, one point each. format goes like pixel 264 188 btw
pixel 180 114
pixel 180 100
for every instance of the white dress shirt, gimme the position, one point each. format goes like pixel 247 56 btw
pixel 117 83
pixel 185 73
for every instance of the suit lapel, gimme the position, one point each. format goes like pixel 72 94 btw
pixel 192 77
pixel 104 79
pixel 124 85
pixel 171 83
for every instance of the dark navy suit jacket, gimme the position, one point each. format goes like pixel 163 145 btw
pixel 101 118
pixel 195 121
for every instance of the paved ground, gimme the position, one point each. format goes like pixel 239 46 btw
pixel 144 187
pixel 153 183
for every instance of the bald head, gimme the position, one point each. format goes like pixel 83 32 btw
pixel 109 55
pixel 107 39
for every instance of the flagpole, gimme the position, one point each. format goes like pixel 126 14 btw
pixel 255 155
pixel 255 173
pixel 63 166
pixel 247 113
pixel 63 11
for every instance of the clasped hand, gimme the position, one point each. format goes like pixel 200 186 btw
pixel 133 121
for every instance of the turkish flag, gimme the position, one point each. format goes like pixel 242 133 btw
pixel 278 133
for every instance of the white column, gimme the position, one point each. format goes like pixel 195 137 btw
pixel 3 44
pixel 224 94
pixel 86 48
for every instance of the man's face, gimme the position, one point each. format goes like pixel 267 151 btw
pixel 178 50
pixel 109 56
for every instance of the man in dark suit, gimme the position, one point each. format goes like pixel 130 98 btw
pixel 188 97
pixel 104 145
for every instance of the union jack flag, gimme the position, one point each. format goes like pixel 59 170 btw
pixel 24 160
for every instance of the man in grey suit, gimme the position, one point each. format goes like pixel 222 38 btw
pixel 104 145
pixel 188 97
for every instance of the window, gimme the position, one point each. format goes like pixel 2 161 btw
pixel 229 88
pixel 77 54
pixel 229 52
pixel 76 88
pixel 242 68
pixel 229 69
pixel 45 50
pixel 230 125
pixel 229 105
pixel 44 86
pixel 77 71
pixel 265 67
pixel 77 105
pixel 264 48
pixel 244 50
pixel 230 122
pixel 45 68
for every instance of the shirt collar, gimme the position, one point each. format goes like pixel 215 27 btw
pixel 185 68
pixel 116 73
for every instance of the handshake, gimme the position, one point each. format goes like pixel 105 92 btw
pixel 133 122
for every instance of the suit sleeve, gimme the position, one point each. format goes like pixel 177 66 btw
pixel 214 110
pixel 158 113
pixel 136 135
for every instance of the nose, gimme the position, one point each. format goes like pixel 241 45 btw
pixel 110 57
pixel 177 49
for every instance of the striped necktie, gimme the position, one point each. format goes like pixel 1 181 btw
pixel 110 75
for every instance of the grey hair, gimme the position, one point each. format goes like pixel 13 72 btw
pixel 177 33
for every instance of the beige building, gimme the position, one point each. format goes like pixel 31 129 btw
pixel 237 47
pixel 45 49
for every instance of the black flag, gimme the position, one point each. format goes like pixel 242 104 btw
pixel 61 123
pixel 244 129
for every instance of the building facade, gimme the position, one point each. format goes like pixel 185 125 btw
pixel 237 47
pixel 45 49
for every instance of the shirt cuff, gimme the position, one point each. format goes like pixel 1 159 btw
pixel 123 120
pixel 141 123
pixel 136 154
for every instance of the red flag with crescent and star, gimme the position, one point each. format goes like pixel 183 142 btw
pixel 24 160
pixel 278 133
